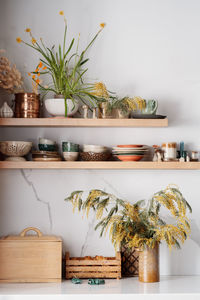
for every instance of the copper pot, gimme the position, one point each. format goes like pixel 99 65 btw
pixel 149 264
pixel 27 105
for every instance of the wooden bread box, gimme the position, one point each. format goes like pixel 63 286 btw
pixel 30 258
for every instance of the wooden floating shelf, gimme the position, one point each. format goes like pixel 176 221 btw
pixel 105 165
pixel 79 122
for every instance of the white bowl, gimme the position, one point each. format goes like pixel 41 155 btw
pixel 56 107
pixel 15 148
pixel 46 141
pixel 94 148
pixel 70 156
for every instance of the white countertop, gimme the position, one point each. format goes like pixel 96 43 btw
pixel 168 285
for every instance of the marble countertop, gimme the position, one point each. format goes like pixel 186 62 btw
pixel 173 285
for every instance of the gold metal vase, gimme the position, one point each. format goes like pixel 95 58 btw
pixel 149 265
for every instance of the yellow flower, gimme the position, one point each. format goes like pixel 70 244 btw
pixel 18 39
pixel 28 30
pixel 33 41
pixel 100 90
pixel 29 74
pixel 33 77
pixel 61 13
pixel 40 65
pixel 102 25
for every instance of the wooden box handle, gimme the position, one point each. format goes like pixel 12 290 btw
pixel 23 233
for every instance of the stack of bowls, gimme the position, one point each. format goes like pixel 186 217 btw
pixel 46 156
pixel 46 145
pixel 95 153
pixel 70 151
pixel 47 151
pixel 129 152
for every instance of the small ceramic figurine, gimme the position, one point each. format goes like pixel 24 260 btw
pixel 85 111
pixel 187 157
pixel 94 113
pixel 6 111
pixel 158 154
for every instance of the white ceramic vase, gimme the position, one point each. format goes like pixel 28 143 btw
pixel 56 107
pixel 6 111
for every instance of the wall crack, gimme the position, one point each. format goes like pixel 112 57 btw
pixel 46 203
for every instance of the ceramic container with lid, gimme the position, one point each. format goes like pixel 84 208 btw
pixel 30 258
pixel 170 151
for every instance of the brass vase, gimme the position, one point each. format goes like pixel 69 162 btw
pixel 27 105
pixel 103 111
pixel 149 265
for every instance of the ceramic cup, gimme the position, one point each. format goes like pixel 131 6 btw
pixel 70 147
pixel 70 156
pixel 46 141
pixel 47 147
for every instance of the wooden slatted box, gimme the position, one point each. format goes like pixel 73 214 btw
pixel 80 267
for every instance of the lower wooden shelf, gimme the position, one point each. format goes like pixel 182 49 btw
pixel 148 165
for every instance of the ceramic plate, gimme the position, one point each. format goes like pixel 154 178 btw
pixel 148 116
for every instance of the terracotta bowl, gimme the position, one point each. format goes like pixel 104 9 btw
pixel 129 157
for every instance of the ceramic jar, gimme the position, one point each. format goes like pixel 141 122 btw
pixel 149 264
pixel 6 111
pixel 170 151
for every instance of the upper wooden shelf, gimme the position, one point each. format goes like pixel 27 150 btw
pixel 101 165
pixel 80 122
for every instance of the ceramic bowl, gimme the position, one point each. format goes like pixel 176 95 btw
pixel 70 156
pixel 130 146
pixel 91 156
pixel 129 157
pixel 94 148
pixel 15 148
pixel 47 147
pixel 70 147
pixel 46 141
pixel 15 158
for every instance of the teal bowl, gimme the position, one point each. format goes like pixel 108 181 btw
pixel 46 147
pixel 70 147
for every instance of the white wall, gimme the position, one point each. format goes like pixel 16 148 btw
pixel 149 48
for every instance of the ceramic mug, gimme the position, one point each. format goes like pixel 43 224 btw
pixel 47 147
pixel 70 147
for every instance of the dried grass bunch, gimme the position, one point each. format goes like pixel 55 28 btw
pixel 138 225
pixel 10 77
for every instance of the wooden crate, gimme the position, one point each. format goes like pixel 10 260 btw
pixel 84 267
pixel 30 258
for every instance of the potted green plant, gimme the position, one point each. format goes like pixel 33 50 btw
pixel 139 225
pixel 66 70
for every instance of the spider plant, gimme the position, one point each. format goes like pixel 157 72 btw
pixel 65 68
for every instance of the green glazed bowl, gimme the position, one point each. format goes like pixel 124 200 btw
pixel 70 147
pixel 46 147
